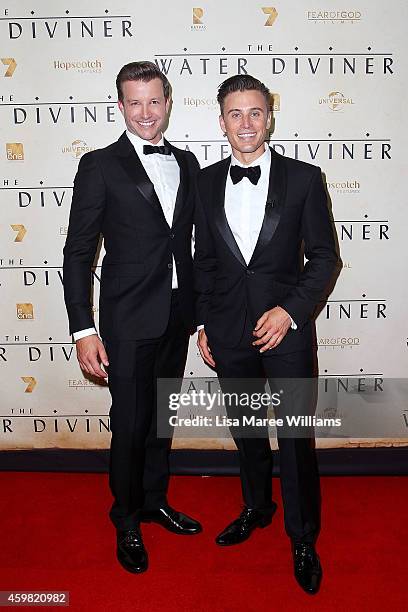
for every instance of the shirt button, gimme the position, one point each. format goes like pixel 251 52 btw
pixel 169 265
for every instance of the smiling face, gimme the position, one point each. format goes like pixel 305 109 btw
pixel 144 108
pixel 246 120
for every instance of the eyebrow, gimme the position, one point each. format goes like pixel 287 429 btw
pixel 233 110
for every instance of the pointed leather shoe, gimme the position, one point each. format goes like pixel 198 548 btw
pixel 239 530
pixel 308 571
pixel 173 521
pixel 130 551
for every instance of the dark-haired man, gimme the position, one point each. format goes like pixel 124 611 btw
pixel 137 193
pixel 255 302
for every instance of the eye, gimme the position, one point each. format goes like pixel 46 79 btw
pixel 235 115
pixel 256 113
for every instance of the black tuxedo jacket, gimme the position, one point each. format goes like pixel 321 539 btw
pixel 228 290
pixel 113 196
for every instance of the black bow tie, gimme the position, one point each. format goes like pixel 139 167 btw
pixel 253 173
pixel 163 150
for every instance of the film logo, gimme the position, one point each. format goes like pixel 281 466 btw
pixel 86 66
pixel 272 15
pixel 25 312
pixel 342 187
pixel 11 64
pixel 15 151
pixel 337 17
pixel 336 101
pixel 198 23
pixel 77 148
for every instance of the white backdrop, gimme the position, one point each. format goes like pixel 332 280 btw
pixel 337 72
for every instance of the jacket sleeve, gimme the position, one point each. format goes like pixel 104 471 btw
pixel 205 262
pixel 320 253
pixel 85 224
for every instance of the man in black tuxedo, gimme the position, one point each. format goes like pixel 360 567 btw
pixel 255 301
pixel 139 194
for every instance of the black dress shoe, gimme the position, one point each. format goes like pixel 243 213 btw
pixel 130 551
pixel 173 521
pixel 239 530
pixel 308 571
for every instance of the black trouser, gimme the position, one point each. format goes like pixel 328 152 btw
pixel 298 467
pixel 139 472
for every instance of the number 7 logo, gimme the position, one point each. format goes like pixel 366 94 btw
pixel 11 63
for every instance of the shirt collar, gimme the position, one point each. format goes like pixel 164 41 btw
pixel 263 160
pixel 138 142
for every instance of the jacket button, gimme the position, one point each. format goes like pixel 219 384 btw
pixel 170 265
pixel 249 272
pixel 171 235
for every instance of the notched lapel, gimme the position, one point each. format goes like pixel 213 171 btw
pixel 220 217
pixel 134 168
pixel 184 183
pixel 274 204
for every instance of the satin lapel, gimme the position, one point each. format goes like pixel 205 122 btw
pixel 134 168
pixel 220 218
pixel 275 202
pixel 183 188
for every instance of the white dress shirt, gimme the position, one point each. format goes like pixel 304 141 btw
pixel 245 207
pixel 164 173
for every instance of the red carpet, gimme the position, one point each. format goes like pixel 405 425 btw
pixel 56 536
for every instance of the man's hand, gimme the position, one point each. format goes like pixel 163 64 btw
pixel 204 349
pixel 91 353
pixel 271 328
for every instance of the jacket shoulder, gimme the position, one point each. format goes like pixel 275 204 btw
pixel 296 166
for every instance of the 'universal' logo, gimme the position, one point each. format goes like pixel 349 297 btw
pixel 336 101
pixel 77 148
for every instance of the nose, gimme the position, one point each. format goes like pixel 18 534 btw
pixel 145 111
pixel 246 121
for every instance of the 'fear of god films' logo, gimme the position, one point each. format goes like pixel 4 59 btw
pixel 334 17
pixel 11 64
pixel 198 23
pixel 25 312
pixel 336 101
pixel 77 148
pixel 272 14
pixel 15 151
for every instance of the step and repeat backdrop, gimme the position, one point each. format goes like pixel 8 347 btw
pixel 337 74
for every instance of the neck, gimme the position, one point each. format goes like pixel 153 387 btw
pixel 248 158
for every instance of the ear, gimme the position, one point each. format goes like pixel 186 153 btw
pixel 120 105
pixel 269 120
pixel 167 105
pixel 222 124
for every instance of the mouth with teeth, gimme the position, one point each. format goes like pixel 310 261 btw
pixel 247 135
pixel 145 124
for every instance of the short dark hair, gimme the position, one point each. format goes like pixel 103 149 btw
pixel 141 71
pixel 242 82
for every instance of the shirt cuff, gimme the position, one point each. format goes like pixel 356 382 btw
pixel 200 327
pixel 90 331
pixel 292 323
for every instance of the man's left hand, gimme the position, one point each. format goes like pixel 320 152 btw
pixel 271 328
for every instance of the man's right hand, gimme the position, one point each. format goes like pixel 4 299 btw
pixel 91 353
pixel 204 349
